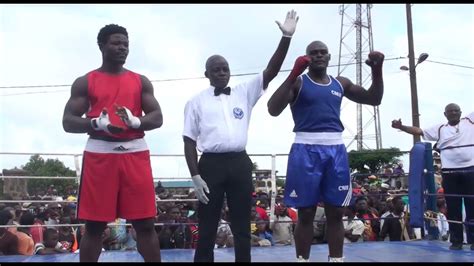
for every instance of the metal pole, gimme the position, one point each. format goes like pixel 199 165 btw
pixel 274 190
pixel 411 59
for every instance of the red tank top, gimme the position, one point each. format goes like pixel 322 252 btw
pixel 123 89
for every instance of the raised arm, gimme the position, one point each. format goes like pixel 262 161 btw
pixel 359 94
pixel 274 65
pixel 408 129
pixel 288 90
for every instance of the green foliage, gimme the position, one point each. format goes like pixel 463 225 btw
pixel 280 182
pixel 374 159
pixel 37 166
pixel 254 166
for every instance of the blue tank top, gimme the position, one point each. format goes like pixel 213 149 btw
pixel 318 106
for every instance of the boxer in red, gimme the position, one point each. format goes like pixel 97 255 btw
pixel 116 180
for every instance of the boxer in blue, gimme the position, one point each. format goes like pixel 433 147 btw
pixel 318 167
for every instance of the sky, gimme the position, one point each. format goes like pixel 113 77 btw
pixel 53 44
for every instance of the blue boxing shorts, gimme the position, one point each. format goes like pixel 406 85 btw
pixel 317 172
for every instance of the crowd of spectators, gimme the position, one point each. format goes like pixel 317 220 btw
pixel 377 213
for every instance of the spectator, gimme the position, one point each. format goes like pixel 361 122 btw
pixel 370 219
pixel 353 228
pixel 398 170
pixel 396 224
pixel 38 229
pixel 319 224
pixel 26 244
pixel 443 226
pixel 8 240
pixel 53 211
pixel 118 235
pixel 50 244
pixel 224 237
pixel 261 208
pixel 389 210
pixel 130 242
pixel 65 234
pixel 263 232
pixel 283 226
pixel 11 221
pixel 173 235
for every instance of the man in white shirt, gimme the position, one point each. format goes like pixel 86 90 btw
pixel 353 228
pixel 455 140
pixel 216 123
pixel 282 227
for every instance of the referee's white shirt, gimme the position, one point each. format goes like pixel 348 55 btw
pixel 220 123
pixel 461 134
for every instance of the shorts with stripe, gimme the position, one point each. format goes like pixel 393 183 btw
pixel 116 181
pixel 317 171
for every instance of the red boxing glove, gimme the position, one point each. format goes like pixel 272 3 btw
pixel 301 64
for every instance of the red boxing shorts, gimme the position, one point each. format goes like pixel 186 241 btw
pixel 116 181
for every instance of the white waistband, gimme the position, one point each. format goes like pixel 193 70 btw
pixel 101 146
pixel 319 138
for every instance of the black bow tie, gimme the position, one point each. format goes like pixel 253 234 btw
pixel 218 91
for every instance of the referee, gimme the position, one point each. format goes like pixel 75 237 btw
pixel 216 123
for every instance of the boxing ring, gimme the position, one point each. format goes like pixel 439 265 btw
pixel 406 251
pixel 375 251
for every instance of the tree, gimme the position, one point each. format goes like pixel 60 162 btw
pixel 254 166
pixel 37 166
pixel 280 182
pixel 374 159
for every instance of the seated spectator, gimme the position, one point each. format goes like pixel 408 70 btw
pixel 53 211
pixel 78 236
pixel 356 189
pixel 118 234
pixel 293 214
pixel 66 236
pixel 224 236
pixel 282 227
pixel 26 244
pixel 319 225
pixel 173 235
pixel 353 228
pixel 8 240
pixel 389 209
pixel 263 231
pixel 370 219
pixel 13 228
pixel 38 229
pixel 254 215
pixel 396 225
pixel 261 208
pixel 193 224
pixel 131 240
pixel 18 212
pixel 443 226
pixel 50 244
pixel 398 170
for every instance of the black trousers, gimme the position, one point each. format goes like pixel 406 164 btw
pixel 229 174
pixel 459 181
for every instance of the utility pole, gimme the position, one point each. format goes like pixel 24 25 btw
pixel 411 62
